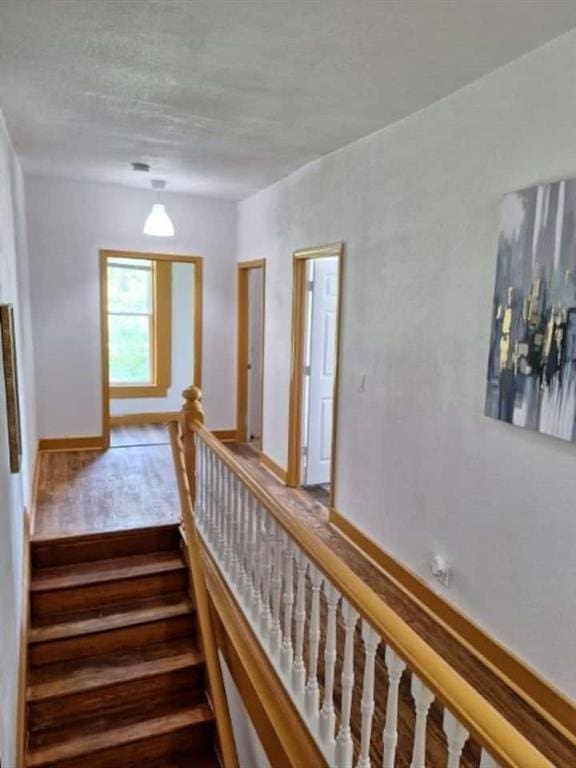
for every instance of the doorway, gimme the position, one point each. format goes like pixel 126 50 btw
pixel 151 320
pixel 251 300
pixel 317 290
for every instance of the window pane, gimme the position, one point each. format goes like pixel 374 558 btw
pixel 129 262
pixel 129 349
pixel 129 289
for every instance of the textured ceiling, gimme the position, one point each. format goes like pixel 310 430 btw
pixel 223 97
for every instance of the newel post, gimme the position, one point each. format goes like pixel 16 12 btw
pixel 191 413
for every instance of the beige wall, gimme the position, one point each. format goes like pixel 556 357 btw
pixel 419 466
pixel 15 489
pixel 69 221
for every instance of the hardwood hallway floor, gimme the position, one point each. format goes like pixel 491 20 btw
pixel 116 674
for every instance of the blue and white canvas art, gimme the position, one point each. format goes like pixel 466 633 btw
pixel 532 361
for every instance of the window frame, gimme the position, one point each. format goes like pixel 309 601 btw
pixel 160 333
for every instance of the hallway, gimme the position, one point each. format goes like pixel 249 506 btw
pixel 85 492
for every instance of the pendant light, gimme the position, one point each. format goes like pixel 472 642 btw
pixel 158 223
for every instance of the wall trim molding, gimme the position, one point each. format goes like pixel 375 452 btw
pixel 547 700
pixel 154 417
pixel 225 435
pixel 242 351
pixel 21 722
pixel 269 464
pixel 84 443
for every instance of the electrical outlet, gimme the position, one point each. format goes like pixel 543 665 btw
pixel 440 570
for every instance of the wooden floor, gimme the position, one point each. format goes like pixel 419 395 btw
pixel 139 434
pixel 314 515
pixel 83 492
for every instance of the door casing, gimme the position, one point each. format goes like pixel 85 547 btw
pixel 299 260
pixel 244 268
pixel 169 257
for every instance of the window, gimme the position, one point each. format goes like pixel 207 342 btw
pixel 139 309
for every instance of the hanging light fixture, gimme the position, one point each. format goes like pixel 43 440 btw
pixel 158 223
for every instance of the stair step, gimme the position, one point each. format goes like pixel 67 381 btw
pixel 58 692
pixel 80 586
pixel 107 743
pixel 113 629
pixel 48 552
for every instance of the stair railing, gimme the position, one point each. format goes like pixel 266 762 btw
pixel 276 569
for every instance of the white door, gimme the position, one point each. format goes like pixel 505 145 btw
pixel 255 339
pixel 320 370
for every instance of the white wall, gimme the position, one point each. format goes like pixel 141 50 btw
pixel 69 221
pixel 182 352
pixel 249 748
pixel 419 466
pixel 15 489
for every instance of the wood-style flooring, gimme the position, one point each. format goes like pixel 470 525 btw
pixel 138 434
pixel 529 722
pixel 84 492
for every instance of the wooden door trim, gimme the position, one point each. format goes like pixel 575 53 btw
pixel 242 347
pixel 104 255
pixel 300 259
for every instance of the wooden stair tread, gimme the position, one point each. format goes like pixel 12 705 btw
pixel 116 617
pixel 71 677
pixel 100 571
pixel 184 761
pixel 105 735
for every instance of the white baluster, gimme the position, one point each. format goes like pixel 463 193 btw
pixel 256 596
pixel 276 630
pixel 288 601
pixel 423 699
pixel 198 481
pixel 312 692
pixel 327 720
pixel 344 743
pixel 298 667
pixel 235 554
pixel 371 642
pixel 241 540
pixel 456 736
pixel 214 504
pixel 487 761
pixel 210 495
pixel 248 550
pixel 228 520
pixel 201 489
pixel 221 513
pixel 395 667
pixel 268 553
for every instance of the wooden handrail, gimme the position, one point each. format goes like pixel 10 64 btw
pixel 506 744
pixel 217 691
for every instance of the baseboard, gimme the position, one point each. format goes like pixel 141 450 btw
pixel 552 704
pixel 157 417
pixel 90 443
pixel 225 435
pixel 23 650
pixel 275 469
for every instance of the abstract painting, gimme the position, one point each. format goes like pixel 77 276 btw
pixel 532 360
pixel 11 383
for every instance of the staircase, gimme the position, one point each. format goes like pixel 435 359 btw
pixel 116 674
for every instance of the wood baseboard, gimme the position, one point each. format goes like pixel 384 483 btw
pixel 225 435
pixel 23 650
pixel 548 701
pixel 90 443
pixel 157 417
pixel 275 469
